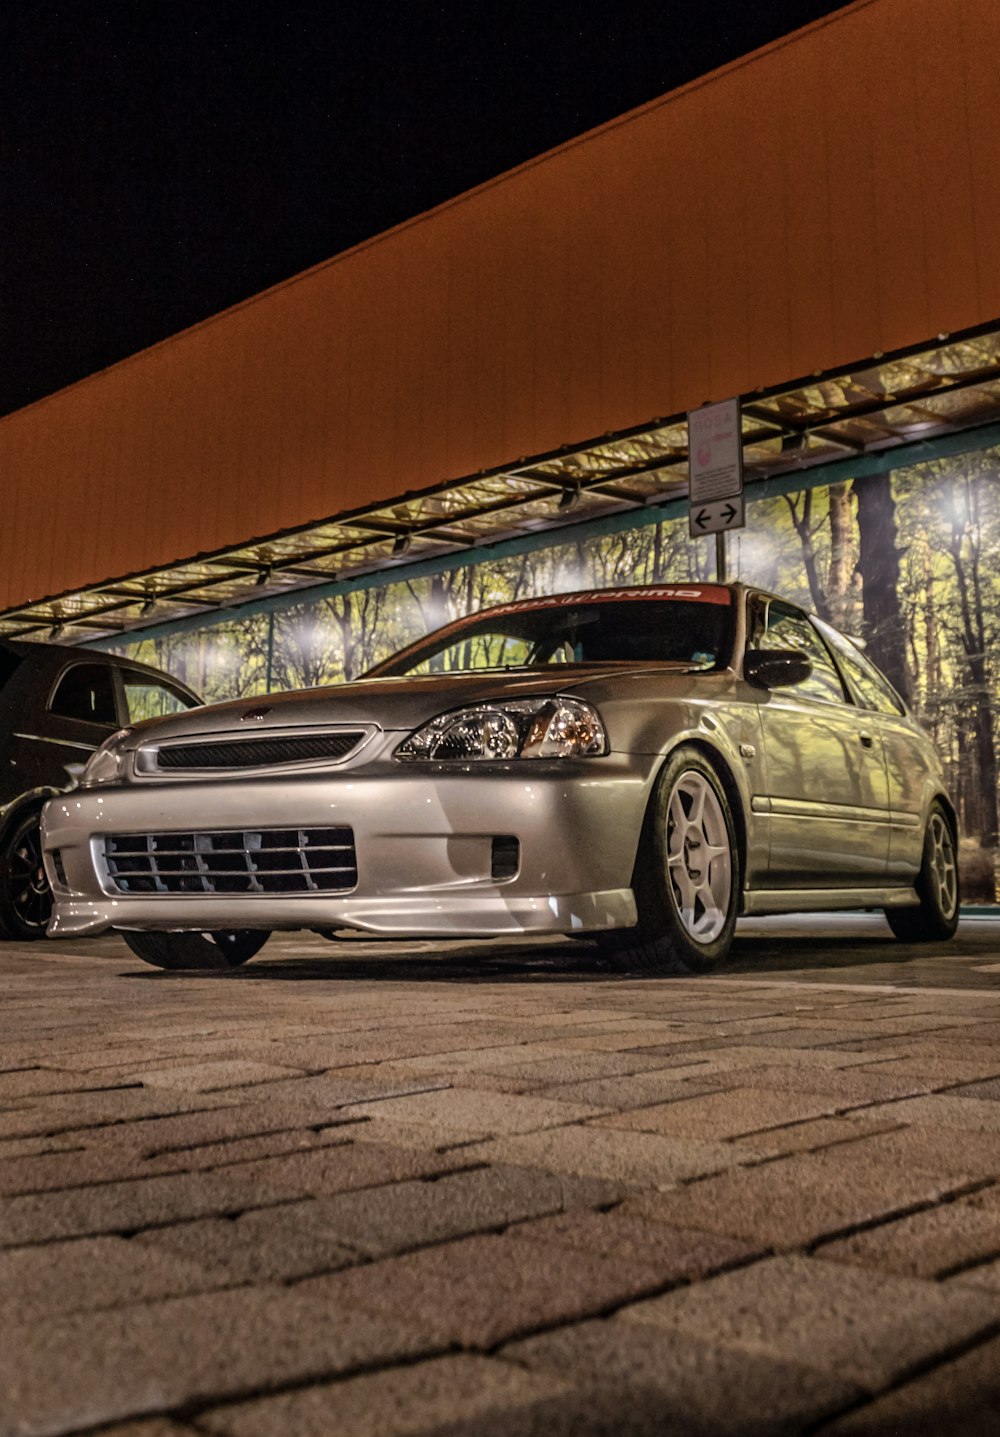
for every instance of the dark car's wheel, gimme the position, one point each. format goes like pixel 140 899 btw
pixel 25 895
pixel 687 877
pixel 197 950
pixel 935 918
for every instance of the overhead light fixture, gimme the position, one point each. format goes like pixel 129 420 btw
pixel 401 545
pixel 569 498
pixel 56 630
pixel 264 577
pixel 148 606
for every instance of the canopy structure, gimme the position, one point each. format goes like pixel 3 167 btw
pixel 888 405
pixel 815 228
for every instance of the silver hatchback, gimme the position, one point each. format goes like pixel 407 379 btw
pixel 641 765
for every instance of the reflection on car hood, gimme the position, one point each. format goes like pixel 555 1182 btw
pixel 393 703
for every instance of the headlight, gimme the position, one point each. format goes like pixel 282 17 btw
pixel 519 728
pixel 105 765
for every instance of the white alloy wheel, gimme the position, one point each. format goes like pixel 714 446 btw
pixel 699 857
pixel 942 864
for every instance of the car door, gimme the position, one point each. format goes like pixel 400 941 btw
pixel 62 727
pixel 824 763
pixel 909 757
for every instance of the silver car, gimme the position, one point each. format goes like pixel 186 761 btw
pixel 641 765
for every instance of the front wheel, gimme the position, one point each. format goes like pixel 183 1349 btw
pixel 25 895
pixel 935 918
pixel 196 951
pixel 687 877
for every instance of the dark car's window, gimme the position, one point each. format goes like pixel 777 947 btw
pixel 146 697
pixel 873 689
pixel 695 634
pixel 86 692
pixel 789 628
pixel 9 661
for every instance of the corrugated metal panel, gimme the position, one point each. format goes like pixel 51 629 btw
pixel 833 196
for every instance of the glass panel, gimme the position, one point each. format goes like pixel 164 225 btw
pixel 787 628
pixel 146 698
pixel 85 692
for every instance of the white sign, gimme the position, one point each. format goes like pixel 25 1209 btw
pixel 714 518
pixel 715 452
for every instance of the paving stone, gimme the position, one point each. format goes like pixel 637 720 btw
pixel 672 1254
pixel 480 1290
pixel 120 1207
pixel 730 1114
pixel 95 1109
pixel 845 1085
pixel 817 1134
pixel 58 1279
pixel 934 1150
pixel 951 1070
pixel 102 1163
pixel 635 1091
pixel 78 1372
pixel 795 1200
pixel 960 1396
pixel 989 1091
pixel 867 1327
pixel 210 1077
pixel 636 1159
pixel 926 1244
pixel 704 1388
pixel 266 1245
pixel 409 1400
pixel 469 1114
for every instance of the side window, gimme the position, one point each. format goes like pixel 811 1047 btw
pixel 788 628
pixel 873 690
pixel 86 692
pixel 146 697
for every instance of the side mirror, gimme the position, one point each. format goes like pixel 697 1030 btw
pixel 776 668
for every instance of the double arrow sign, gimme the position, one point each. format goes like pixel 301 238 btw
pixel 712 518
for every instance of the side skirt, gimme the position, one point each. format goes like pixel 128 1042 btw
pixel 818 900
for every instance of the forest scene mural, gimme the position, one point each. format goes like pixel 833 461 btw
pixel 907 561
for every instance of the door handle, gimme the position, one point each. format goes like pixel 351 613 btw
pixel 866 739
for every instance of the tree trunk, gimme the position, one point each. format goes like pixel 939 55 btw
pixel 878 562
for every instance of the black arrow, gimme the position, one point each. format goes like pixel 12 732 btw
pixel 728 513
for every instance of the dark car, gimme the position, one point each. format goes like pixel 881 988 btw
pixel 57 705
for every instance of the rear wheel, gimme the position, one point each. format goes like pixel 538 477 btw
pixel 935 918
pixel 25 895
pixel 687 875
pixel 196 950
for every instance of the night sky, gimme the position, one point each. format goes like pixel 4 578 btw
pixel 162 159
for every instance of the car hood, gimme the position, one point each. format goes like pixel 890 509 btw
pixel 393 704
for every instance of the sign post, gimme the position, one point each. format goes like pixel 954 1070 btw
pixel 715 468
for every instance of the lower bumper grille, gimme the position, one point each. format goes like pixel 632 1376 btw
pixel 268 860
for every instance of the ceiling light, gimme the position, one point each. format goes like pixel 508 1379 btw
pixel 569 498
pixel 401 545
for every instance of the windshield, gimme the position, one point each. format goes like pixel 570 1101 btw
pixel 693 635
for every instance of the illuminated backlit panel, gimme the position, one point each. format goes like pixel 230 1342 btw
pixel 873 407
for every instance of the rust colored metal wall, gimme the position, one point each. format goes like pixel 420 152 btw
pixel 832 196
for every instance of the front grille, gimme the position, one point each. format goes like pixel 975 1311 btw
pixel 259 752
pixel 268 860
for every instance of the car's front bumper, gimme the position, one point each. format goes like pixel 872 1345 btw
pixel 423 843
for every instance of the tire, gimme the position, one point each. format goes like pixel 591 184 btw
pixel 687 906
pixel 935 918
pixel 25 895
pixel 198 951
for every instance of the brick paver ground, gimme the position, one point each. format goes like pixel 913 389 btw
pixel 368 1189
